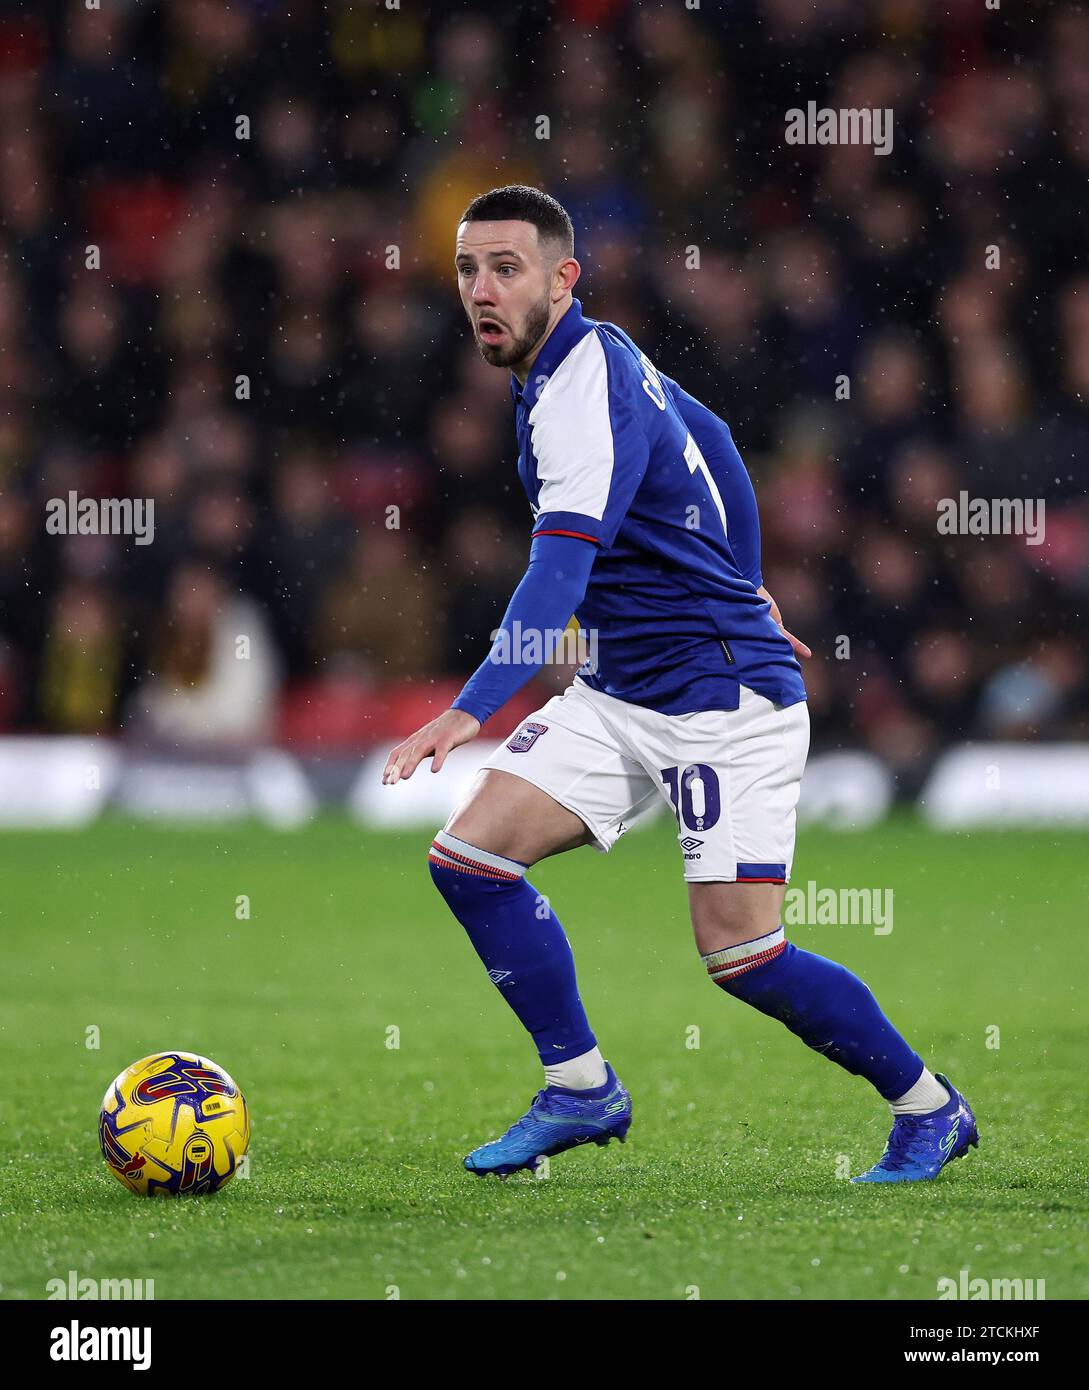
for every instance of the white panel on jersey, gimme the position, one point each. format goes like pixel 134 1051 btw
pixel 571 436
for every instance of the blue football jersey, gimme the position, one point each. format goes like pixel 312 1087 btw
pixel 614 452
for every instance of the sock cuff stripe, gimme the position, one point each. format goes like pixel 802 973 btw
pixel 467 866
pixel 443 863
pixel 719 973
pixel 452 853
pixel 746 950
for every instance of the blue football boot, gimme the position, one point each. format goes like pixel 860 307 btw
pixel 557 1120
pixel 920 1146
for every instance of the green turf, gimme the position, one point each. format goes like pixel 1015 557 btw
pixel 728 1183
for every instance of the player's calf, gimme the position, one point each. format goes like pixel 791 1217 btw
pixel 831 1010
pixel 525 951
pixel 520 940
pixel 528 958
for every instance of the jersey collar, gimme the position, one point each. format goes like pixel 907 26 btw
pixel 567 332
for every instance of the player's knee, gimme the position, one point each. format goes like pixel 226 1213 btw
pixel 730 914
pixel 456 865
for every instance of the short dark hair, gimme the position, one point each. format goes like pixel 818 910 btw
pixel 517 202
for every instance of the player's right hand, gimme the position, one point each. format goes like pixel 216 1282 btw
pixel 452 728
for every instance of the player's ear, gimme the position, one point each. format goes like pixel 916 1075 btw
pixel 565 276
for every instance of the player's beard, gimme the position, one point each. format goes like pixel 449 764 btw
pixel 520 347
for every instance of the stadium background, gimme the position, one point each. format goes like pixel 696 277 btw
pixel 370 129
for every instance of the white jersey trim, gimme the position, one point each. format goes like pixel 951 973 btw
pixel 571 434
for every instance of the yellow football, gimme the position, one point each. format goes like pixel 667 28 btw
pixel 172 1124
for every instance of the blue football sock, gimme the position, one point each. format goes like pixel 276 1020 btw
pixel 520 940
pixel 830 1009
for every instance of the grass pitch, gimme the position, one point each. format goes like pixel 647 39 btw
pixel 728 1186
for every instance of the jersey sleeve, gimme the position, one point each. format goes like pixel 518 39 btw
pixel 551 589
pixel 590 446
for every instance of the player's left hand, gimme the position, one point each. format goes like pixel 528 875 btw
pixel 800 649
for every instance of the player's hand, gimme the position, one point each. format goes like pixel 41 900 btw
pixel 452 728
pixel 800 649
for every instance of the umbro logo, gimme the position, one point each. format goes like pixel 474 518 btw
pixel 690 843
pixel 497 976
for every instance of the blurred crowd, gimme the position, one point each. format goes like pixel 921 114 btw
pixel 226 285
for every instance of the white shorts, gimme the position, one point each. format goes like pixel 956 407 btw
pixel 731 777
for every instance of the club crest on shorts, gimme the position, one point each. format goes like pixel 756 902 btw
pixel 526 737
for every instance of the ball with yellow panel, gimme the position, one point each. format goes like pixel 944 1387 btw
pixel 174 1124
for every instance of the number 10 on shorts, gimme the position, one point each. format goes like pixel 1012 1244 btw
pixel 694 794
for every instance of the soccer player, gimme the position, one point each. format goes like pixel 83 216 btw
pixel 646 527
